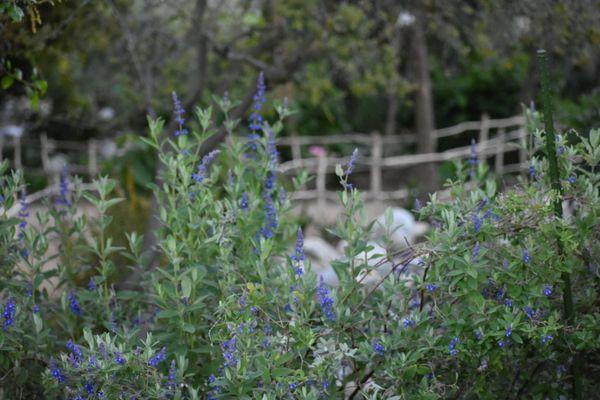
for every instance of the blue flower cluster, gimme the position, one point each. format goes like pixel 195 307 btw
pixel 179 112
pixel 256 119
pixel 172 381
pixel 526 257
pixel 10 309
pixel 325 301
pixel 157 358
pixel 203 167
pixel 56 372
pixel 298 257
pixel 74 304
pixel 229 349
pixel 63 198
pixel 475 254
pixel 271 221
pixel 452 346
pixel 378 347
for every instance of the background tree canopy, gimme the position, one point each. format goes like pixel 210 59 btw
pixel 345 66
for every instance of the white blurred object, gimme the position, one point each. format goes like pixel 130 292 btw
pixel 57 163
pixel 321 254
pixel 106 113
pixel 405 19
pixel 12 130
pixel 108 148
pixel 404 227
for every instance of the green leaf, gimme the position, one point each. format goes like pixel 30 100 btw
pixel 7 81
pixel 37 320
pixel 186 287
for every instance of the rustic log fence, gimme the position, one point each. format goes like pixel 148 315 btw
pixel 495 138
pixel 46 147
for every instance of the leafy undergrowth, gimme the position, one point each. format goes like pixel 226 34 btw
pixel 234 310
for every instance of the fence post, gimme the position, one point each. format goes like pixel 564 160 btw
pixel 499 162
pixel 17 152
pixel 523 150
pixel 376 156
pixel 484 130
pixel 321 181
pixel 296 151
pixel 93 158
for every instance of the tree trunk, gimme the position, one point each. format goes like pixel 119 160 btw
pixel 425 119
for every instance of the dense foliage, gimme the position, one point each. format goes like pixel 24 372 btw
pixel 234 309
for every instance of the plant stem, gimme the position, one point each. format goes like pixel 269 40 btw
pixel 556 185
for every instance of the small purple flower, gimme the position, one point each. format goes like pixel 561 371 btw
pixel 298 257
pixel 244 201
pixel 407 323
pixel 157 358
pixel 417 205
pixel 119 358
pixel 325 301
pixel 547 290
pixel 508 331
pixel 476 223
pixel 272 152
pixel 532 171
pixel 431 287
pixel 475 253
pixel 10 309
pixel 293 386
pixel 530 312
pixel 547 339
pixel 229 348
pixel 526 256
pixel 572 179
pixel 75 350
pixel 92 285
pixel 89 387
pixel 178 111
pixel 452 346
pixel 256 120
pixel 63 198
pixel 501 344
pixel 508 303
pixel 478 335
pixel 172 382
pixel 92 362
pixel 56 372
pixel 203 167
pixel 74 304
pixel 350 164
pixel 378 347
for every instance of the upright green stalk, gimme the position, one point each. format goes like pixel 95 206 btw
pixel 550 143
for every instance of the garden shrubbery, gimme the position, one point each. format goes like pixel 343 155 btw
pixel 234 310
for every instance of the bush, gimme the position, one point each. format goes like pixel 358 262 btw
pixel 234 310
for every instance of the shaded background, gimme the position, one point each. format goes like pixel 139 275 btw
pixel 94 69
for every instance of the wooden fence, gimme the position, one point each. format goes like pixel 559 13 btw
pixel 495 137
pixel 46 147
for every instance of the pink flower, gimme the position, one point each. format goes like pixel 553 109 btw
pixel 317 151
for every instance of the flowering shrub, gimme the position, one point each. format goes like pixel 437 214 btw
pixel 235 310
